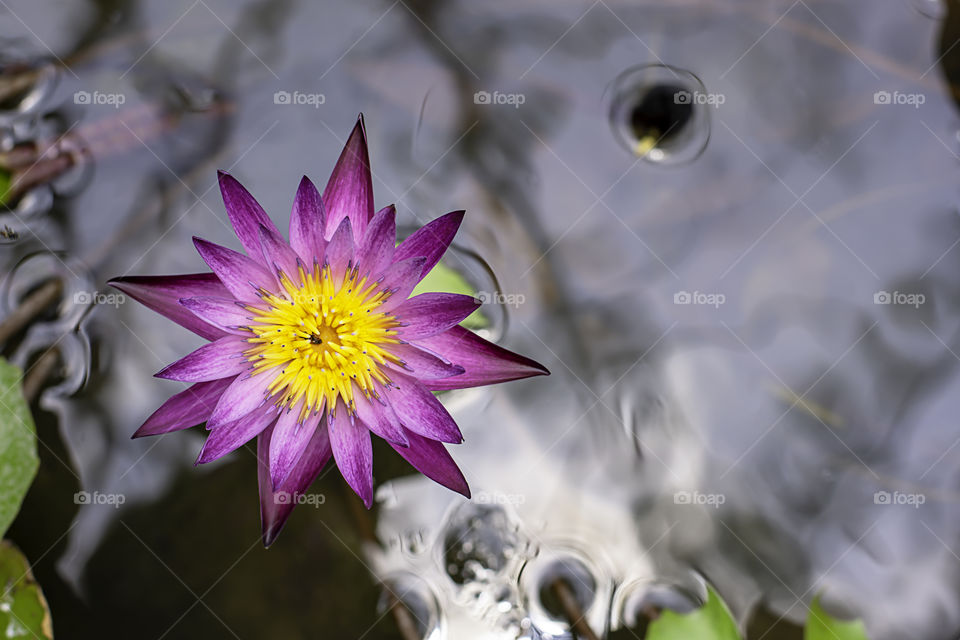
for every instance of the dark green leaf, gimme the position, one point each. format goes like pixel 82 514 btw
pixel 18 444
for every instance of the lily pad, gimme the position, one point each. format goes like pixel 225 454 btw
pixel 444 279
pixel 23 609
pixel 712 621
pixel 18 444
pixel 823 626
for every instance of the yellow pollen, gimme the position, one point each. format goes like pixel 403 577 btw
pixel 324 338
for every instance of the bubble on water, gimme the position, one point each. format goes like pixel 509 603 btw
pixel 73 356
pixel 480 281
pixel 78 174
pixel 538 580
pixel 60 324
pixel 660 113
pixel 637 603
pixel 416 596
pixel 476 541
pixel 24 87
pixel 35 202
pixel 37 269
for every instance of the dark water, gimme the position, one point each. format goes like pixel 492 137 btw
pixel 752 326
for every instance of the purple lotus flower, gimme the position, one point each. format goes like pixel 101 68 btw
pixel 315 343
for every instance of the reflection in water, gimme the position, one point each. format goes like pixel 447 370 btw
pixel 754 350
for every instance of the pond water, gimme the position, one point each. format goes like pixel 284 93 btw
pixel 729 228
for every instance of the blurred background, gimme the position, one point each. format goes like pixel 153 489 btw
pixel 728 227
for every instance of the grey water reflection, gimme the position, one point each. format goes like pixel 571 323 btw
pixel 754 350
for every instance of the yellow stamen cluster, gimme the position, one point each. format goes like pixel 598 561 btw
pixel 324 337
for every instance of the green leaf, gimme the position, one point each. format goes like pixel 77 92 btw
pixel 23 609
pixel 712 621
pixel 443 278
pixel 18 444
pixel 823 626
pixel 6 181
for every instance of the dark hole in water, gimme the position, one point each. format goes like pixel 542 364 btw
pixel 661 113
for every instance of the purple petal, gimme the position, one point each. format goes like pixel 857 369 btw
pixel 185 409
pixel 400 278
pixel 275 507
pixel 430 458
pixel 353 452
pixel 162 294
pixel 431 240
pixel 485 362
pixel 307 223
pixel 238 273
pixel 349 192
pixel 339 253
pixel 289 441
pixel 224 313
pixel 422 364
pixel 246 214
pixel 428 314
pixel 420 411
pixel 278 255
pixel 245 394
pixel 375 253
pixel 379 418
pixel 233 435
pixel 222 358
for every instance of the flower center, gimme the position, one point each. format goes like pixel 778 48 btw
pixel 324 338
